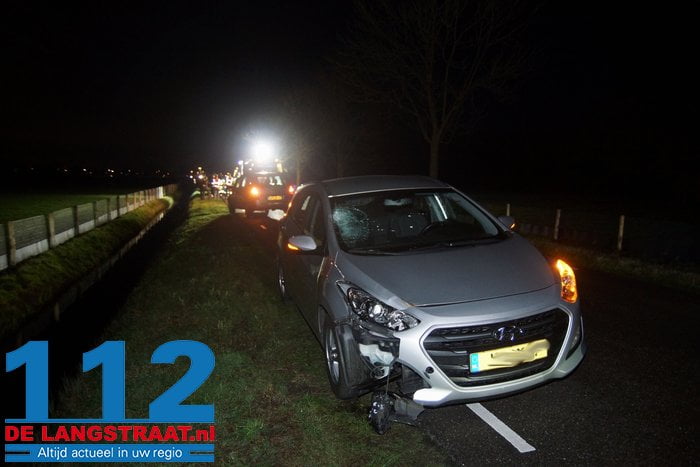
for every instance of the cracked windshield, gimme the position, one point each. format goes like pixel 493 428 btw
pixel 399 221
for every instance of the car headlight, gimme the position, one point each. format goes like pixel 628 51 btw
pixel 569 293
pixel 368 308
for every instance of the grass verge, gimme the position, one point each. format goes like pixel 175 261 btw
pixel 213 283
pixel 679 279
pixel 35 282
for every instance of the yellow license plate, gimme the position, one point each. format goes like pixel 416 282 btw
pixel 507 357
pixel 274 198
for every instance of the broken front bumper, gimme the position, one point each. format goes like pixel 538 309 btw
pixel 440 354
pixel 438 350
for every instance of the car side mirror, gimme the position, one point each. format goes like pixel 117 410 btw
pixel 301 242
pixel 507 221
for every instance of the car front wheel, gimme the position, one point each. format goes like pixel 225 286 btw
pixel 335 364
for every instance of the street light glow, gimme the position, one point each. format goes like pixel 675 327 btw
pixel 263 151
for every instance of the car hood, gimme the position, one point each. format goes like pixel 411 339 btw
pixel 451 275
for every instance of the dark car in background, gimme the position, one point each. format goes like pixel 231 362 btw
pixel 260 191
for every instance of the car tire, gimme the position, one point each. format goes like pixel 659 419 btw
pixel 335 362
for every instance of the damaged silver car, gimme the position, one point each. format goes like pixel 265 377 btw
pixel 419 294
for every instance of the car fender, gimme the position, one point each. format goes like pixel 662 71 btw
pixel 329 295
pixel 355 369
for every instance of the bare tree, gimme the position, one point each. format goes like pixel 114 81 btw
pixel 319 130
pixel 297 126
pixel 432 58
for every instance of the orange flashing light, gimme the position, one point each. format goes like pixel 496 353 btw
pixel 569 292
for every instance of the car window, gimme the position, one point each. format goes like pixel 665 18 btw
pixel 315 225
pixel 408 219
pixel 308 216
pixel 300 210
pixel 271 180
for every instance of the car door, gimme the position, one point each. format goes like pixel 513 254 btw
pixel 302 267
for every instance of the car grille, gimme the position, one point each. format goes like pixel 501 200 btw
pixel 449 348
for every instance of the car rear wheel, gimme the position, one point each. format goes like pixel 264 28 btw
pixel 335 364
pixel 281 284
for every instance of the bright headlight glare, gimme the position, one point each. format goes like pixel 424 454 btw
pixel 263 151
pixel 368 308
pixel 569 293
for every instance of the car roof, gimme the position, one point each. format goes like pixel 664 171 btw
pixel 369 183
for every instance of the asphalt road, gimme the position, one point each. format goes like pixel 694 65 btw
pixel 633 400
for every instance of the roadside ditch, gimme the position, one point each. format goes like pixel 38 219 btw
pixel 75 321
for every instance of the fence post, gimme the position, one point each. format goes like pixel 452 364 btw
pixel 556 224
pixel 94 214
pixel 51 229
pixel 620 233
pixel 76 224
pixel 11 243
pixel 118 208
pixel 507 209
pixel 109 209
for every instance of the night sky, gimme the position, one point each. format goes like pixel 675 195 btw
pixel 607 105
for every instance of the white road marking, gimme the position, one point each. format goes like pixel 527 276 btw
pixel 501 428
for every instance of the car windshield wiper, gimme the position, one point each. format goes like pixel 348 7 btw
pixel 371 252
pixel 455 243
pixel 392 250
pixel 472 241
